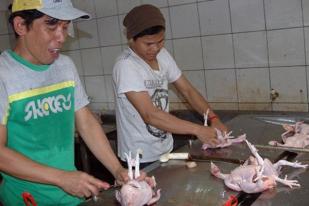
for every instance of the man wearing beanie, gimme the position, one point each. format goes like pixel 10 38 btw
pixel 140 78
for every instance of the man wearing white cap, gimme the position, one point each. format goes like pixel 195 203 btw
pixel 41 102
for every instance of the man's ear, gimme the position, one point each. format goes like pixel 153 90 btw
pixel 20 26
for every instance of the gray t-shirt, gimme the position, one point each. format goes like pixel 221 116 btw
pixel 131 73
pixel 16 77
pixel 37 106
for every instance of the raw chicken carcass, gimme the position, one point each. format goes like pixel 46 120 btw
pixel 274 170
pixel 297 140
pixel 256 174
pixel 295 136
pixel 245 178
pixel 136 193
pixel 299 127
pixel 225 139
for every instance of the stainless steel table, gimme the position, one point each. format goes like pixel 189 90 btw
pixel 285 196
pixel 181 186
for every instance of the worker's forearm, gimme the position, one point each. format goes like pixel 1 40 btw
pixel 198 103
pixel 20 166
pixel 167 122
pixel 99 145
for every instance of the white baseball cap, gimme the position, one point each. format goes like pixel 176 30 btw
pixel 59 9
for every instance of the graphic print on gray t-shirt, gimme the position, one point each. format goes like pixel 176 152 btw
pixel 160 100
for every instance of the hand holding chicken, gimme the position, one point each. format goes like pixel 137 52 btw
pixel 134 192
pixel 224 139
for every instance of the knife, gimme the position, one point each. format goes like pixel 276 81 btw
pixel 290 149
pixel 115 186
pixel 202 158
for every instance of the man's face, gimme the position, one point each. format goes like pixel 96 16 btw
pixel 42 42
pixel 148 46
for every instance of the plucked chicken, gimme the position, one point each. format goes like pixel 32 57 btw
pixel 136 193
pixel 256 174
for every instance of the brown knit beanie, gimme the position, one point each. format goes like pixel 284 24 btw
pixel 141 18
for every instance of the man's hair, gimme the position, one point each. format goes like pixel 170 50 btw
pixel 28 15
pixel 150 31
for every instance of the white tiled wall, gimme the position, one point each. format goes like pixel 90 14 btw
pixel 221 85
pixel 283 13
pixel 233 51
pixel 306 12
pixel 4 32
pixel 286 47
pixel 197 79
pixel 247 15
pixel 77 59
pixel 184 21
pixel 307 44
pixel 214 17
pixel 109 31
pixel 253 85
pixel 250 49
pixel 218 51
pixel 88 34
pixel 125 5
pixel 290 82
pixel 3 24
pixel 91 61
pixel 158 3
pixel 184 57
pixel 105 8
pixel 109 54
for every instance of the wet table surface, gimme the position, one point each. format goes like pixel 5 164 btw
pixel 283 195
pixel 259 129
pixel 194 187
pixel 181 186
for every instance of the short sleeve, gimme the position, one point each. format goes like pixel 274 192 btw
pixel 168 61
pixel 126 77
pixel 4 103
pixel 80 96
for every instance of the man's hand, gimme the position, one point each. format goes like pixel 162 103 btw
pixel 151 181
pixel 81 184
pixel 216 123
pixel 122 177
pixel 207 135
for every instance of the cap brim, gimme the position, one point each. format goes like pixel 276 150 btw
pixel 65 13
